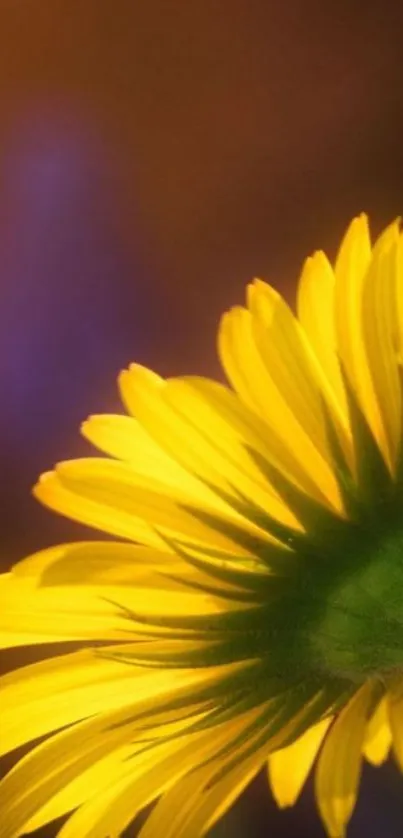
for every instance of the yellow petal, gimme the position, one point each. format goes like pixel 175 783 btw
pixel 110 496
pixel 98 781
pixel 68 593
pixel 338 771
pixel 51 615
pixel 190 808
pixel 114 789
pixel 294 371
pixel 249 434
pixel 259 364
pixel 44 696
pixel 199 433
pixel 398 294
pixel 96 563
pixel 378 737
pixel 219 416
pixel 53 765
pixel 198 809
pixel 125 438
pixel 50 767
pixel 379 306
pixel 121 796
pixel 352 264
pixel 57 692
pixel 315 306
pixel 131 787
pixel 52 493
pixel 290 766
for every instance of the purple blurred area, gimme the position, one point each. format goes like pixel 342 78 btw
pixel 153 158
pixel 67 281
pixel 74 302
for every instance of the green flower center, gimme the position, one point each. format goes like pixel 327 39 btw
pixel 359 631
pixel 342 614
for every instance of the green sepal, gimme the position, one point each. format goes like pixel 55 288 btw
pixel 230 707
pixel 274 717
pixel 209 655
pixel 250 584
pixel 253 582
pixel 325 531
pixel 269 711
pixel 194 695
pixel 314 703
pixel 212 590
pixel 279 560
pixel 233 621
pixel 272 555
pixel 252 645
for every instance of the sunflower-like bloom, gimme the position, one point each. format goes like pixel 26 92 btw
pixel 251 612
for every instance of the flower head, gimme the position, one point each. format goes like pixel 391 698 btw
pixel 251 612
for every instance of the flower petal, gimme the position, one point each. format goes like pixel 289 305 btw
pixel 379 306
pixel 52 766
pixel 195 429
pixel 142 780
pixel 378 737
pixel 316 314
pixel 68 593
pixel 398 294
pixel 364 306
pixel 54 494
pixel 339 766
pixel 31 615
pixel 110 496
pixel 56 692
pixel 126 439
pixel 92 786
pixel 191 807
pixel 257 351
pixel 290 766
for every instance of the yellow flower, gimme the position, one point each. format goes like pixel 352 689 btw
pixel 252 613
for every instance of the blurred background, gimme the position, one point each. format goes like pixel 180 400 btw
pixel 153 158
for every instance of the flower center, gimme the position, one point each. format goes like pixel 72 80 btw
pixel 360 627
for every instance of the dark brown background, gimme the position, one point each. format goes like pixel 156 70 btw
pixel 153 158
